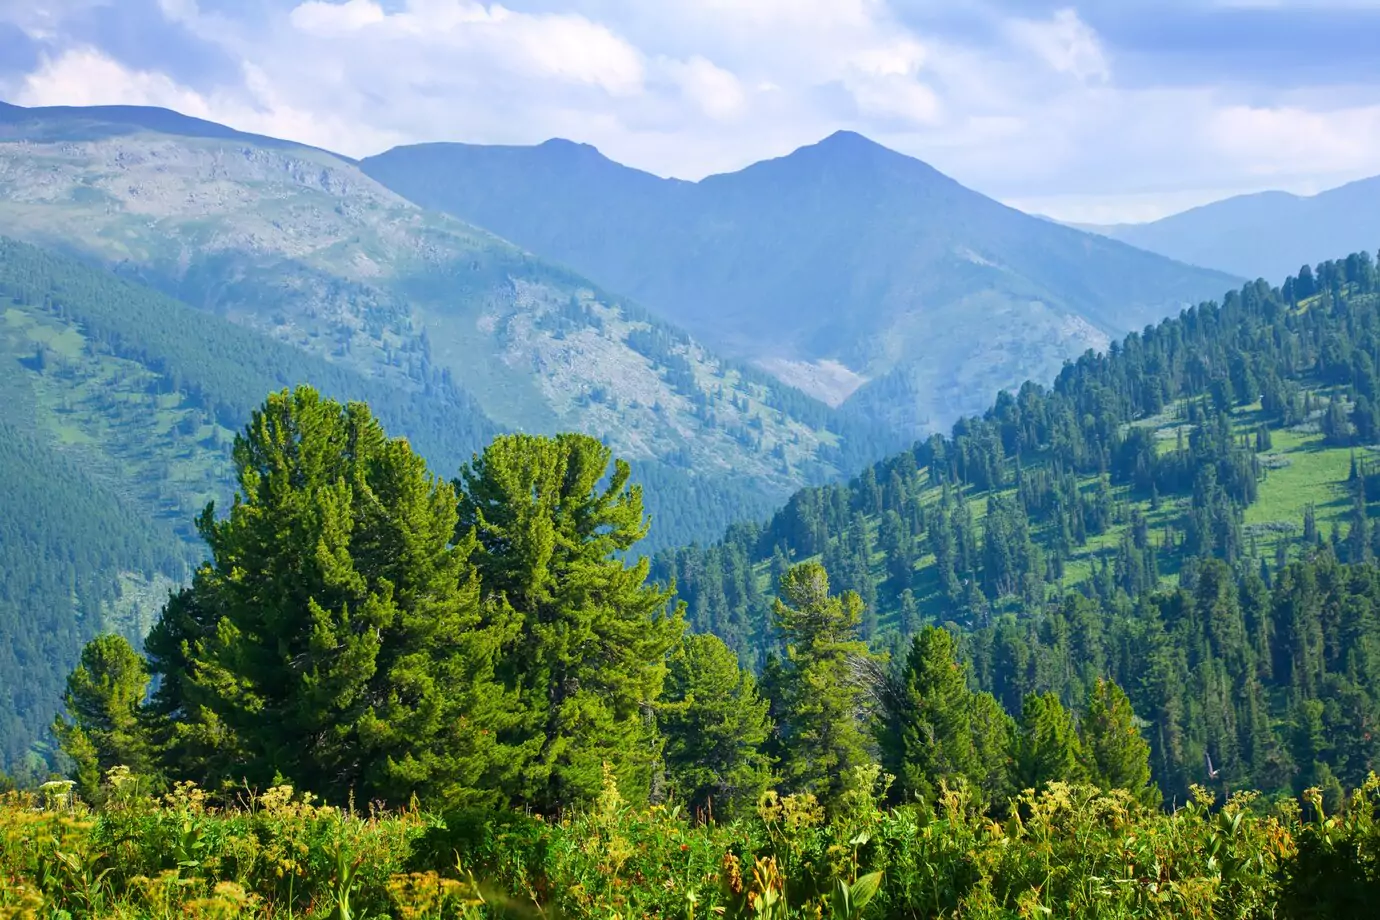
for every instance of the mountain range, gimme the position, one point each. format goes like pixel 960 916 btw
pixel 1266 234
pixel 863 276
pixel 301 246
pixel 735 339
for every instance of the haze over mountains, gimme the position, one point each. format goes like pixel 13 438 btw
pixel 845 268
pixel 1267 234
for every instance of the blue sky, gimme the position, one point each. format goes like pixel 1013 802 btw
pixel 1102 110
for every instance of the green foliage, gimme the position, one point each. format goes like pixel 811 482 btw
pixel 585 659
pixel 938 734
pixel 1130 522
pixel 1065 851
pixel 1337 870
pixel 127 422
pixel 1047 746
pixel 335 638
pixel 1115 755
pixel 65 536
pixel 108 728
pixel 714 724
pixel 822 722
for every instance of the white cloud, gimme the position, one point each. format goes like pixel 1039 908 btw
pixel 324 18
pixel 1065 43
pixel 713 90
pixel 563 47
pixel 1270 142
pixel 85 76
pixel 1032 111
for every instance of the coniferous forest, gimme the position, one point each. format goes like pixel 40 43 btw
pixel 1071 660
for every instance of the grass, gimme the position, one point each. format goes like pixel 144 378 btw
pixel 1315 475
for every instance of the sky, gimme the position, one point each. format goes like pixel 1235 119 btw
pixel 1099 111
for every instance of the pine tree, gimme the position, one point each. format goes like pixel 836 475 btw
pixel 334 640
pixel 715 724
pixel 994 743
pixel 1048 749
pixel 824 704
pixel 1115 756
pixel 909 617
pixel 586 654
pixel 108 727
pixel 929 736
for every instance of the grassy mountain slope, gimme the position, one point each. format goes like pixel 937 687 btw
pixel 299 245
pixel 844 267
pixel 1265 235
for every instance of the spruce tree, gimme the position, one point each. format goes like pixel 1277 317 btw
pixel 714 724
pixel 1048 749
pixel 928 737
pixel 334 640
pixel 585 654
pixel 994 743
pixel 108 726
pixel 824 705
pixel 1115 755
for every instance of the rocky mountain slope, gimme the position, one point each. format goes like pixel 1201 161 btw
pixel 302 246
pixel 845 268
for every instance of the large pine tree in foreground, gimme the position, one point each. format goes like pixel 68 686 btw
pixel 715 724
pixel 585 655
pixel 105 696
pixel 335 639
pixel 938 731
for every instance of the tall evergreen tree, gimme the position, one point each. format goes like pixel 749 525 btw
pixel 586 652
pixel 715 724
pixel 929 736
pixel 1115 756
pixel 334 640
pixel 1048 749
pixel 824 706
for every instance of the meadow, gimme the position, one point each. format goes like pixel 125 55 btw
pixel 1065 851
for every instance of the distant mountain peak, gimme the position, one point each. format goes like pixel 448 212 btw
pixel 851 143
pixel 1265 234
pixel 67 122
pixel 844 136
pixel 858 153
pixel 842 250
pixel 567 145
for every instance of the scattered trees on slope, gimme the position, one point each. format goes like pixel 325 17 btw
pixel 366 629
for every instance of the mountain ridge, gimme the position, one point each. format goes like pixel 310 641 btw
pixel 842 251
pixel 1264 234
pixel 300 245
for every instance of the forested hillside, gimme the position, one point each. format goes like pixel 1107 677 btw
pixel 1220 447
pixel 300 246
pixel 119 409
pixel 131 400
pixel 486 663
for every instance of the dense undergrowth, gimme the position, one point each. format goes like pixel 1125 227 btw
pixel 1065 851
